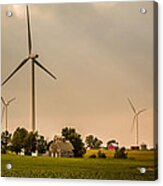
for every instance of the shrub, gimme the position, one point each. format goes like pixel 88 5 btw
pixel 120 153
pixel 92 156
pixel 5 141
pixel 101 154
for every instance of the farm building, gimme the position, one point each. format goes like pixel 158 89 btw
pixel 143 146
pixel 135 148
pixel 61 148
pixel 112 146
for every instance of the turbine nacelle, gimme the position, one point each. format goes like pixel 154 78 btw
pixel 33 56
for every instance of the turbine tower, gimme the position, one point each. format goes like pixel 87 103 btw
pixel 34 62
pixel 5 109
pixel 136 120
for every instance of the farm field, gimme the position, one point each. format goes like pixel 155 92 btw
pixel 81 168
pixel 138 155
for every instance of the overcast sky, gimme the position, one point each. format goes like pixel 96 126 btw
pixel 101 53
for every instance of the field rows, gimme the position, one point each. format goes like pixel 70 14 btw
pixel 78 168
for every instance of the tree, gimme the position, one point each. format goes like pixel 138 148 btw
pixel 75 138
pixel 97 143
pixel 18 139
pixel 101 154
pixel 30 142
pixel 66 132
pixel 41 144
pixel 93 142
pixel 5 140
pixel 120 153
pixel 89 141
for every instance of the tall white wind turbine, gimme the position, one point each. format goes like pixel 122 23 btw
pixel 135 120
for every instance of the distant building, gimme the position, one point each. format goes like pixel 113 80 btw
pixel 34 154
pixel 112 146
pixel 22 153
pixel 134 147
pixel 143 146
pixel 61 148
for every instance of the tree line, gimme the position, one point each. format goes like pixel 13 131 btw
pixel 22 139
pixel 32 141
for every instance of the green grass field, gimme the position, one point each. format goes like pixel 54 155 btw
pixel 82 168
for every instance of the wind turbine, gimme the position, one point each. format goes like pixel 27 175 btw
pixel 136 120
pixel 34 62
pixel 5 109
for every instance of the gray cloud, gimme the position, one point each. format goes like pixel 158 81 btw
pixel 101 53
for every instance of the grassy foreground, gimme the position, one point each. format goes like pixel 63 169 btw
pixel 81 168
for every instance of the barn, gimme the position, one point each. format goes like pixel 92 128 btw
pixel 61 148
pixel 112 146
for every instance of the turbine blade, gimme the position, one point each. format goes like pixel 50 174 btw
pixel 29 32
pixel 132 106
pixel 43 68
pixel 142 111
pixel 133 123
pixel 10 76
pixel 11 100
pixel 2 115
pixel 3 101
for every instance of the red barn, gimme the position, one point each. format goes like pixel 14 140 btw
pixel 112 146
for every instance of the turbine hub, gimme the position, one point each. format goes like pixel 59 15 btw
pixel 33 56
pixel 36 56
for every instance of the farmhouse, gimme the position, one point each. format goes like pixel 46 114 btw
pixel 61 148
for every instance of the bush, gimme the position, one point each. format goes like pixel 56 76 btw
pixel 101 154
pixel 120 153
pixel 5 141
pixel 92 156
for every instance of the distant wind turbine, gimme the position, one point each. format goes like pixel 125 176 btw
pixel 5 110
pixel 30 58
pixel 136 119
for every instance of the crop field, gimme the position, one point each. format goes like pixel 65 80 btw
pixel 132 154
pixel 82 168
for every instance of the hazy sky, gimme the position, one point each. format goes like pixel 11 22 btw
pixel 101 53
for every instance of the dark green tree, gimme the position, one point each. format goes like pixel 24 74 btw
pixel 120 153
pixel 93 142
pixel 18 139
pixel 90 141
pixel 101 154
pixel 30 142
pixel 5 140
pixel 97 143
pixel 66 132
pixel 75 138
pixel 41 144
